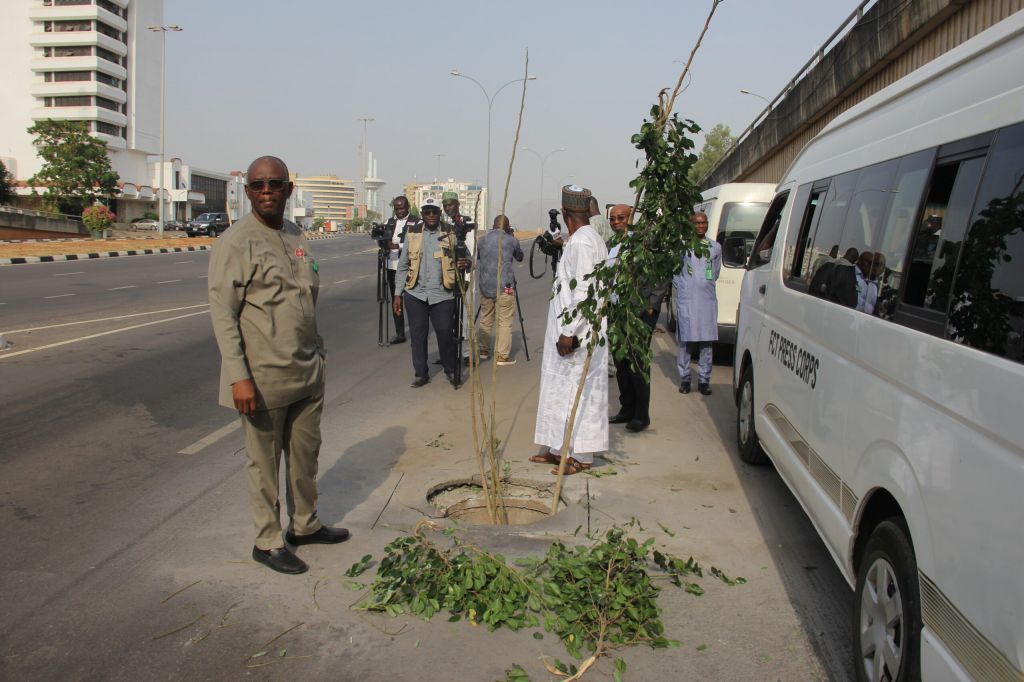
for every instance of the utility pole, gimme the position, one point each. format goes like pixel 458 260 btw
pixel 362 158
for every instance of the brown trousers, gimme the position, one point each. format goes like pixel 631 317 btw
pixel 293 430
pixel 505 306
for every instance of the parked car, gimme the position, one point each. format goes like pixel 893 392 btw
pixel 208 225
pixel 174 225
pixel 146 224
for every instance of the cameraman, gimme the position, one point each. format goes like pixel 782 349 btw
pixel 424 284
pixel 491 298
pixel 395 237
pixel 465 230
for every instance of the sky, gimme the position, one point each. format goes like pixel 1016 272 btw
pixel 253 77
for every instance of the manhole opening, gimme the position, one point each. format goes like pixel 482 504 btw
pixel 525 501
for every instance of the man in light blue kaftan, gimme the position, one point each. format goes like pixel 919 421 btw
pixel 697 308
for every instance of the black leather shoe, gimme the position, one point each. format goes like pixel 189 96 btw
pixel 684 387
pixel 637 426
pixel 419 381
pixel 619 419
pixel 451 377
pixel 281 560
pixel 704 389
pixel 397 339
pixel 324 536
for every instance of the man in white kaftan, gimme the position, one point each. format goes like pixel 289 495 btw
pixel 565 349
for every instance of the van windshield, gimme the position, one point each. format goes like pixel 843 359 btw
pixel 741 220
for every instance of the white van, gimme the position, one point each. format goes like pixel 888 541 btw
pixel 880 360
pixel 735 211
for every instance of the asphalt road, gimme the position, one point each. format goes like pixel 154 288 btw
pixel 111 437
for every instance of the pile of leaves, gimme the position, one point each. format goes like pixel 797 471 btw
pixel 595 597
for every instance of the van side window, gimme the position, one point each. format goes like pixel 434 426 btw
pixel 825 243
pixel 863 225
pixel 812 199
pixel 987 310
pixel 765 243
pixel 891 253
pixel 940 233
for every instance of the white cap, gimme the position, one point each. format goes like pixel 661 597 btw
pixel 430 202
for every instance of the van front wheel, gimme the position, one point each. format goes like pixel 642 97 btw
pixel 887 612
pixel 750 448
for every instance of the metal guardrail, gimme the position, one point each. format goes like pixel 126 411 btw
pixel 39 214
pixel 850 22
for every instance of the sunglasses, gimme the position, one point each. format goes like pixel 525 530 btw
pixel 274 185
pixel 430 209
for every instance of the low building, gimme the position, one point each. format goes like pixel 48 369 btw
pixel 472 196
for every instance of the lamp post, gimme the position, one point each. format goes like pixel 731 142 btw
pixel 754 94
pixel 543 159
pixel 490 102
pixel 163 110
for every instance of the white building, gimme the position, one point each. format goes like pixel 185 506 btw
pixel 472 196
pixel 334 198
pixel 91 61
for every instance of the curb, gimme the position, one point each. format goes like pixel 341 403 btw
pixel 102 254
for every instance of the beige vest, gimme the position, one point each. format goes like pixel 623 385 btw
pixel 414 244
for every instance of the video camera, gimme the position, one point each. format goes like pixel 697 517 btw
pixel 461 230
pixel 546 241
pixel 381 232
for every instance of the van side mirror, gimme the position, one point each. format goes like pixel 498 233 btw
pixel 735 251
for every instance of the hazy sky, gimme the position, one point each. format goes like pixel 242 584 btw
pixel 252 77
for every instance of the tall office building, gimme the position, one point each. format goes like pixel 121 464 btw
pixel 84 60
pixel 333 198
pixel 472 197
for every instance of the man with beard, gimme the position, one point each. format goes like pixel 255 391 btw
pixel 565 353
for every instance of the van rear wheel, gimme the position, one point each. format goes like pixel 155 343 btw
pixel 887 615
pixel 750 448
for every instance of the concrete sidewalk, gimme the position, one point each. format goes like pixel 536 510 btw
pixel 387 446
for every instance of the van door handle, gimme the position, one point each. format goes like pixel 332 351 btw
pixel 761 289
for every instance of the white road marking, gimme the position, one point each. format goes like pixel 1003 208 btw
pixel 59 296
pixel 106 319
pixel 68 274
pixel 179 262
pixel 203 276
pixel 362 276
pixel 95 336
pixel 341 281
pixel 212 438
pixel 130 286
pixel 169 281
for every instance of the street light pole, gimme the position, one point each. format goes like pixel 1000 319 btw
pixel 754 94
pixel 543 160
pixel 163 112
pixel 490 102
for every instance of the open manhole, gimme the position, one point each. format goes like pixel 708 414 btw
pixel 525 501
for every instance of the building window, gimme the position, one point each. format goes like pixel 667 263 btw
pixel 108 104
pixel 70 26
pixel 108 55
pixel 76 101
pixel 109 129
pixel 215 191
pixel 108 30
pixel 68 51
pixel 108 80
pixel 109 6
pixel 70 76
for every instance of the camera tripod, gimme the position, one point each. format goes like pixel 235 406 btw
pixel 384 295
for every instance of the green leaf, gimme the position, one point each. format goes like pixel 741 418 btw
pixel 538 635
pixel 359 567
